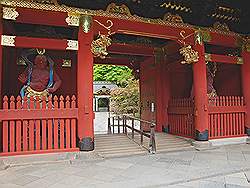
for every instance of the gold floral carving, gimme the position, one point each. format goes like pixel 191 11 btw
pixel 198 37
pixel 212 94
pixel 116 9
pixel 72 45
pixel 86 22
pixel 66 63
pixel 190 55
pixel 7 40
pixel 221 26
pixel 99 46
pixel 72 19
pixel 172 18
pixel 10 13
pixel 239 61
pixel 206 37
pixel 45 1
pixel 247 46
pixel 245 43
pixel 208 57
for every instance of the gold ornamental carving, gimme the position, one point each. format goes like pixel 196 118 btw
pixel 239 61
pixel 245 43
pixel 66 63
pixel 198 37
pixel 172 18
pixel 190 55
pixel 208 57
pixel 72 45
pixel 247 46
pixel 10 13
pixel 221 26
pixel 45 1
pixel 116 9
pixel 73 19
pixel 7 40
pixel 86 22
pixel 206 37
pixel 99 46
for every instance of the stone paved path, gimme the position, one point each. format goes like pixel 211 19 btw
pixel 224 167
pixel 101 122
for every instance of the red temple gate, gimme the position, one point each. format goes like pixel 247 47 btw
pixel 196 117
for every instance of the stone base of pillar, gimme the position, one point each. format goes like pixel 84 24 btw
pixel 247 129
pixel 165 129
pixel 86 144
pixel 248 140
pixel 201 136
pixel 204 145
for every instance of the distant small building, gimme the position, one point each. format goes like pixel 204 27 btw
pixel 102 91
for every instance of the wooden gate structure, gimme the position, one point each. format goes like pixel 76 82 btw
pixel 87 42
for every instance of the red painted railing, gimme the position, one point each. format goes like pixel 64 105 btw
pixel 181 117
pixel 226 116
pixel 37 125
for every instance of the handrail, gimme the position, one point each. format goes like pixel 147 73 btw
pixel 125 118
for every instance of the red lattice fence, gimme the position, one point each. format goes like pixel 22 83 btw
pixel 38 125
pixel 181 117
pixel 226 116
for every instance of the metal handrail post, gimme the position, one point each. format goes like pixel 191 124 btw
pixel 152 145
pixel 133 131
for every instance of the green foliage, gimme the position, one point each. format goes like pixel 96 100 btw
pixel 126 100
pixel 115 74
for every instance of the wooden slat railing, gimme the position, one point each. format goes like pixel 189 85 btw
pixel 125 122
pixel 38 125
pixel 181 117
pixel 226 116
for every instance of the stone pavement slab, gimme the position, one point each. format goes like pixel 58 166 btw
pixel 213 168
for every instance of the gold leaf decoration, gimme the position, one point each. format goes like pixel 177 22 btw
pixel 123 9
pixel 190 55
pixel 99 46
pixel 173 18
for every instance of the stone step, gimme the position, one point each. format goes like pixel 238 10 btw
pixel 116 146
pixel 112 145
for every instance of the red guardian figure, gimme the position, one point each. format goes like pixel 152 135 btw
pixel 39 79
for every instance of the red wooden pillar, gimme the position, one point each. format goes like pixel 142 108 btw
pixel 85 85
pixel 159 97
pixel 166 97
pixel 1 75
pixel 1 57
pixel 245 74
pixel 200 92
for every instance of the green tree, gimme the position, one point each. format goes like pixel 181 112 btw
pixel 126 100
pixel 116 74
